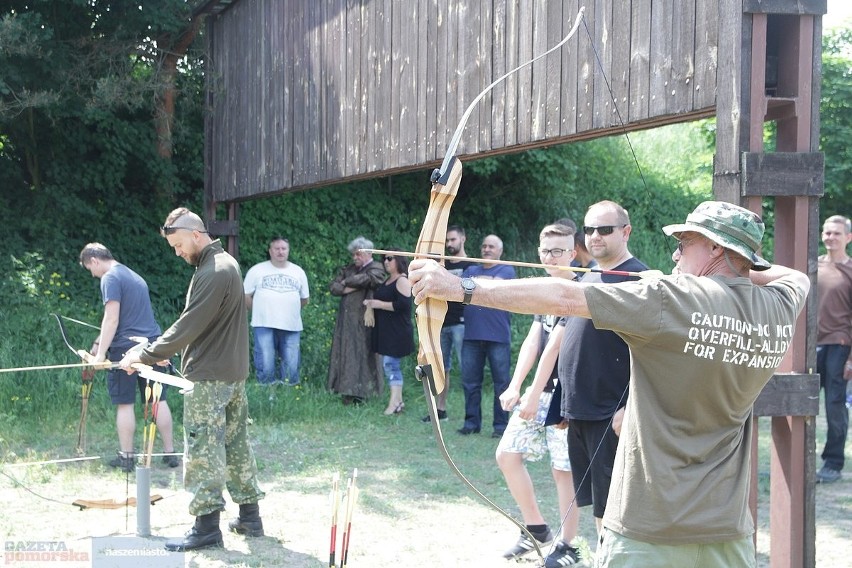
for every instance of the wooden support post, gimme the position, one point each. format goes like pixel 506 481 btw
pixel 792 507
pixel 782 36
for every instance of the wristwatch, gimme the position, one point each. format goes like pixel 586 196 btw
pixel 468 285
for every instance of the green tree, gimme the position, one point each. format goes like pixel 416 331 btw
pixel 836 122
pixel 89 132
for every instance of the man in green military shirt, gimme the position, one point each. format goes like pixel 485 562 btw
pixel 212 336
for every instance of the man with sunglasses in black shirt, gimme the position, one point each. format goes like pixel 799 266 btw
pixel 594 365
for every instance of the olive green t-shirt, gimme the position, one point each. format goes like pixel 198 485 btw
pixel 702 348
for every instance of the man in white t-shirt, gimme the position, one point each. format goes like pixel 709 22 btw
pixel 276 290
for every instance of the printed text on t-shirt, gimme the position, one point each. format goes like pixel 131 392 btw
pixel 731 340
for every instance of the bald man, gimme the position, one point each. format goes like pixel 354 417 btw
pixel 487 335
pixel 212 336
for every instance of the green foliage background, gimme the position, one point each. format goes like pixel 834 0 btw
pixel 836 122
pixel 511 196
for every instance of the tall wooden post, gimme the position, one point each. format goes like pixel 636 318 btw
pixel 770 73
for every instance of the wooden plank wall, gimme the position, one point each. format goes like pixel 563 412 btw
pixel 304 94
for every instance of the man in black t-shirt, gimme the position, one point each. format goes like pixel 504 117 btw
pixel 594 365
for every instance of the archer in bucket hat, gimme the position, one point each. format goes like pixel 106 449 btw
pixel 703 343
pixel 727 225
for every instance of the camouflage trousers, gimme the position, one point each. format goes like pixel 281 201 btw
pixel 218 452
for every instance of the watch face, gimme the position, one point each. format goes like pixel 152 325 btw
pixel 468 286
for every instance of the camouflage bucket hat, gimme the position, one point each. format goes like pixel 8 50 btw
pixel 728 225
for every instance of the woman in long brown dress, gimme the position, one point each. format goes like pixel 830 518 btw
pixel 352 370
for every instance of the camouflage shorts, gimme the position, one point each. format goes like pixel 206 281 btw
pixel 533 439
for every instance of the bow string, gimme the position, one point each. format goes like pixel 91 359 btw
pixel 87 376
pixel 618 114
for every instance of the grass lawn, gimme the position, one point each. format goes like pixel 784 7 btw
pixel 411 508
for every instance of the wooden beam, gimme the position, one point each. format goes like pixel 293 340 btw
pixel 780 108
pixel 783 174
pixel 789 394
pixel 733 99
pixel 789 490
pixel 222 228
pixel 797 8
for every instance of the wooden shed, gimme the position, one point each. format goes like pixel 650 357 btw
pixel 303 94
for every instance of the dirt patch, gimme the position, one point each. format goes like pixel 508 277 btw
pixel 423 529
pixel 833 504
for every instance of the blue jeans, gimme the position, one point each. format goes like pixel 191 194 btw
pixel 393 371
pixel 269 345
pixel 452 337
pixel 830 362
pixel 473 358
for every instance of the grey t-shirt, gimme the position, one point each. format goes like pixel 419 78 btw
pixel 136 316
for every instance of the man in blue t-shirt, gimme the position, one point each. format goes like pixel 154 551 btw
pixel 127 313
pixel 486 335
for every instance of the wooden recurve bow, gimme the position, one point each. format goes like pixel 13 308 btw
pixel 430 313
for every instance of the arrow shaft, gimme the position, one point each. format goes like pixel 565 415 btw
pixel 144 370
pixel 503 262
pixel 87 324
pixel 103 365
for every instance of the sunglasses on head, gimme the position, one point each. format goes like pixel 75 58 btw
pixel 603 230
pixel 170 230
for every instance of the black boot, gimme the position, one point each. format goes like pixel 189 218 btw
pixel 204 534
pixel 248 523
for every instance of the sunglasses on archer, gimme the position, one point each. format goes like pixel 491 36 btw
pixel 167 230
pixel 603 230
